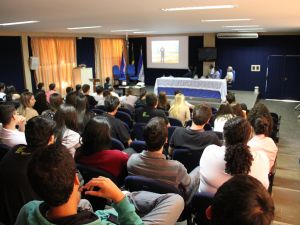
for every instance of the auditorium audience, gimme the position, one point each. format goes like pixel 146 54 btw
pixel 55 101
pixel 241 200
pixel 218 164
pixel 179 109
pixel 223 114
pixel 26 109
pixel 261 141
pixel 91 100
pixel 144 114
pixel 98 95
pixel 153 163
pixel 67 127
pixel 195 138
pixel 129 98
pixel 117 127
pixel 15 189
pixel 52 174
pixel 163 102
pixel 51 91
pixel 96 151
pixel 41 103
pixel 9 134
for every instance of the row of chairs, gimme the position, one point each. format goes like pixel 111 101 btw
pixel 122 77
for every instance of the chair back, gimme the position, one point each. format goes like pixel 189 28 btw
pixel 138 146
pixel 190 159
pixel 126 110
pixel 116 72
pixel 98 111
pixel 171 130
pixel 3 150
pixel 116 144
pixel 131 70
pixel 138 131
pixel 125 117
pixel 141 183
pixel 175 122
pixel 200 202
pixel 88 173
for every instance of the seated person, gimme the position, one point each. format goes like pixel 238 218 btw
pixel 144 114
pixel 180 110
pixel 9 134
pixel 241 200
pixel 52 90
pixel 26 109
pixel 191 106
pixel 15 189
pixel 98 95
pixel 52 174
pixel 117 127
pixel 96 150
pixel 91 100
pixel 261 142
pixel 223 114
pixel 163 102
pixel 219 164
pixel 153 163
pixel 229 75
pixel 195 138
pixel 129 98
pixel 107 84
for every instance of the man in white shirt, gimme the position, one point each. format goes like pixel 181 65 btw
pixel 9 135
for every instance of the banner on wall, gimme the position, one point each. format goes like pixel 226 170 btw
pixel 123 65
pixel 141 68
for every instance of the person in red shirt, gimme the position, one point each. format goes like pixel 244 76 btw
pixel 96 151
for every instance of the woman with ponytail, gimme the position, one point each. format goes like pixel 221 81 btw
pixel 219 164
pixel 261 141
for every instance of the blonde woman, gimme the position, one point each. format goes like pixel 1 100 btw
pixel 180 109
pixel 26 109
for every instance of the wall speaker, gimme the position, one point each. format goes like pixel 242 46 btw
pixel 34 63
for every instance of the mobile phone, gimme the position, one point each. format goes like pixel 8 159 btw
pixel 112 218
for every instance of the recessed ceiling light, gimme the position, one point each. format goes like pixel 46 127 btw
pixel 240 26
pixel 250 28
pixel 129 30
pixel 143 32
pixel 81 28
pixel 200 8
pixel 225 20
pixel 18 23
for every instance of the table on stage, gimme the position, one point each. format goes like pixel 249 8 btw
pixel 202 88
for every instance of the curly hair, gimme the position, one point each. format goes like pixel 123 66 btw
pixel 261 125
pixel 237 132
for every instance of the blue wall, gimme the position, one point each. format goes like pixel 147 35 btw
pixel 242 53
pixel 11 62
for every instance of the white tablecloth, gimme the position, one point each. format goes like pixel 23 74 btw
pixel 219 85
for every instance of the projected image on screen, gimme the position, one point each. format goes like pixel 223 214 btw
pixel 165 51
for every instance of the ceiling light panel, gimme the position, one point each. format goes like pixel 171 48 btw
pixel 18 23
pixel 225 20
pixel 128 30
pixel 82 28
pixel 200 8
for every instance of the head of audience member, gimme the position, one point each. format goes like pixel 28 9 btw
pixel 66 117
pixel 155 134
pixel 2 87
pixel 237 132
pixel 8 115
pixel 95 136
pixel 162 99
pixel 41 103
pixel 106 93
pixel 55 101
pixel 237 110
pixel 111 104
pixel 201 114
pixel 99 89
pixel 11 93
pixel 230 98
pixel 258 110
pixel 69 89
pixel 40 86
pixel 261 126
pixel 52 87
pixel 244 108
pixel 241 200
pixel 224 110
pixel 151 100
pixel 39 132
pixel 52 175
pixel 111 89
pixel 81 103
pixel 129 91
pixel 107 80
pixel 177 92
pixel 71 98
pixel 27 100
pixel 86 89
pixel 78 88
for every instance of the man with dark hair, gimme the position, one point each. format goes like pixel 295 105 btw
pixel 144 114
pixel 118 128
pixel 195 138
pixel 241 200
pixel 91 100
pixel 51 91
pixel 78 88
pixel 68 89
pixel 230 98
pixel 15 189
pixel 52 174
pixel 153 163
pixel 9 134
pixel 98 95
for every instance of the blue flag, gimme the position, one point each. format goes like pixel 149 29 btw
pixel 123 65
pixel 141 68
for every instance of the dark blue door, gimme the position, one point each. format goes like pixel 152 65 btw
pixel 292 79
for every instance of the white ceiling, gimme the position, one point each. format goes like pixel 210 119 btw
pixel 146 15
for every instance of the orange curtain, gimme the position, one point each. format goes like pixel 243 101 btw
pixel 108 54
pixel 57 58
